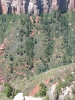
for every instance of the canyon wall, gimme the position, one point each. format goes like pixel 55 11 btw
pixel 35 6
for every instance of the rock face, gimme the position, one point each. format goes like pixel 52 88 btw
pixel 67 91
pixel 32 98
pixel 51 92
pixel 35 6
pixel 20 96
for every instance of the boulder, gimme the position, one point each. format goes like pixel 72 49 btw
pixel 19 96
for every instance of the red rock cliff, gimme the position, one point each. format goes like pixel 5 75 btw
pixel 35 6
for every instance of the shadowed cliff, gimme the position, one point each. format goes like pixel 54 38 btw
pixel 63 5
pixel 0 7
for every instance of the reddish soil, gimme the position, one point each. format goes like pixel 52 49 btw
pixel 31 19
pixel 1 61
pixel 33 70
pixel 37 19
pixel 46 81
pixel 35 90
pixel 32 33
pixel 19 73
pixel 2 48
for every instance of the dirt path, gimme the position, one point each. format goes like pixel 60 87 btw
pixel 34 91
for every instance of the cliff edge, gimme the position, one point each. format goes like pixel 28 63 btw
pixel 35 6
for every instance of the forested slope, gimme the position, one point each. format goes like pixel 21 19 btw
pixel 31 48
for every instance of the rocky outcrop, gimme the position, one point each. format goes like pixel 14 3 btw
pixel 20 96
pixel 35 6
pixel 51 91
pixel 67 91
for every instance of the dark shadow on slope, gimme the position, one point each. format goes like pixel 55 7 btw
pixel 1 8
pixel 26 6
pixel 9 8
pixel 63 5
pixel 39 4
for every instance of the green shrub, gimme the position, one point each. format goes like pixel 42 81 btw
pixel 43 89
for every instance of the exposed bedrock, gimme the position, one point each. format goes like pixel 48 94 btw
pixel 35 6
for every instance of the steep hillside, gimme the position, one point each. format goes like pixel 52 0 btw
pixel 31 45
pixel 30 48
pixel 55 80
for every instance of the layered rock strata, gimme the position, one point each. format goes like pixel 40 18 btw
pixel 35 6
